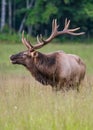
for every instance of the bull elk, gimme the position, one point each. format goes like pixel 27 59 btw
pixel 58 69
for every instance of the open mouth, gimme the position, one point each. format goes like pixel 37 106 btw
pixel 12 60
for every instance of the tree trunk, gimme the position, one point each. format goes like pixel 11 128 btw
pixel 29 5
pixel 29 27
pixel 13 15
pixel 10 15
pixel 3 14
pixel 22 24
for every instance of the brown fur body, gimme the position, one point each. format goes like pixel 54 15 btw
pixel 60 70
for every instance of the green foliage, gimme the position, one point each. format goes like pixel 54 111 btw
pixel 41 13
pixel 50 10
pixel 89 10
pixel 21 11
pixel 12 38
pixel 74 10
pixel 6 29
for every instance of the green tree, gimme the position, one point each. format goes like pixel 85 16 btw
pixel 35 16
pixel 79 12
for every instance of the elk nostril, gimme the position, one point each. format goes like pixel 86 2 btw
pixel 12 57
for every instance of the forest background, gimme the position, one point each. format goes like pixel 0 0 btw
pixel 35 16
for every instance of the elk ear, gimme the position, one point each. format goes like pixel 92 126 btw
pixel 34 54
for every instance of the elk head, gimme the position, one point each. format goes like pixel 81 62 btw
pixel 29 56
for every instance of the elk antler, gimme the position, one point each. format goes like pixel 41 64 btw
pixel 54 33
pixel 26 42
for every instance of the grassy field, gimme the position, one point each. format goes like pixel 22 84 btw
pixel 27 105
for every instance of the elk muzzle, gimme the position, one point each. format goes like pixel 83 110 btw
pixel 17 58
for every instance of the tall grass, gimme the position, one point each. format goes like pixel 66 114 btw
pixel 27 105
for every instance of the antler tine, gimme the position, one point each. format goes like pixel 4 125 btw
pixel 22 33
pixel 38 39
pixel 66 29
pixel 75 29
pixel 41 42
pixel 25 42
pixel 41 39
pixel 76 34
pixel 54 32
pixel 56 25
pixel 67 23
pixel 53 25
pixel 23 39
pixel 54 28
pixel 72 31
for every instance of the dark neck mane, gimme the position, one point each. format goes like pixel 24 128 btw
pixel 44 68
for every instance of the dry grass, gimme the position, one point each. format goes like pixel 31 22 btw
pixel 27 105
